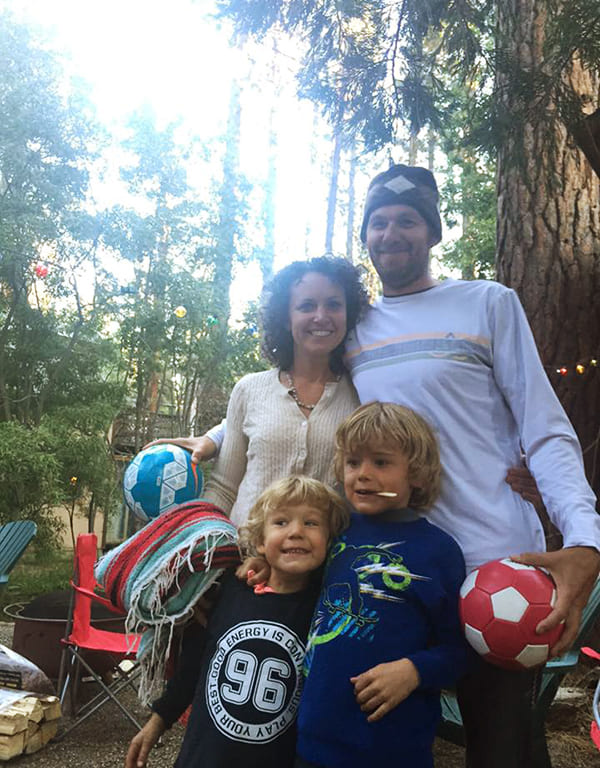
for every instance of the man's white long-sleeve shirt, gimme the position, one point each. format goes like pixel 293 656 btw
pixel 462 355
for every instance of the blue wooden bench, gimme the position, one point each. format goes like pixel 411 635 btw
pixel 14 539
pixel 451 727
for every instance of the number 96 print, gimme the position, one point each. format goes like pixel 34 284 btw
pixel 254 681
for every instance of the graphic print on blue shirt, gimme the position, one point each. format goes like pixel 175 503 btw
pixel 377 573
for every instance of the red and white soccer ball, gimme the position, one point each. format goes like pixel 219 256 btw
pixel 501 603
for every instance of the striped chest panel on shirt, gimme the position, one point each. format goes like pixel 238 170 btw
pixel 452 347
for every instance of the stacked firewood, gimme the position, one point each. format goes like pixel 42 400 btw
pixel 27 724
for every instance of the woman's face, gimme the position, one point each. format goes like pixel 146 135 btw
pixel 317 315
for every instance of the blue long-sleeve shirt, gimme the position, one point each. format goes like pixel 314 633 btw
pixel 390 592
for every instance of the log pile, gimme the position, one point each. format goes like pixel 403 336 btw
pixel 27 723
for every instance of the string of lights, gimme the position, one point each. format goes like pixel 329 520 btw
pixel 579 369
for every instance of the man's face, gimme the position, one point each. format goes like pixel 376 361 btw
pixel 399 241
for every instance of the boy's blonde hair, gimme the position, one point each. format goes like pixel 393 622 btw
pixel 291 492
pixel 387 425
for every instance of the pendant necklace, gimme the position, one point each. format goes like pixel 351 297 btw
pixel 293 393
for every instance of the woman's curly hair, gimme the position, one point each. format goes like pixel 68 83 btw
pixel 277 343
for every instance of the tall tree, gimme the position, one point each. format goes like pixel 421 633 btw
pixel 350 234
pixel 228 248
pixel 549 195
pixel 44 150
pixel 267 255
pixel 179 350
pixel 332 197
pixel 56 393
pixel 469 197
pixel 157 240
pixel 229 204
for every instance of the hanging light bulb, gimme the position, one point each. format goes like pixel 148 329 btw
pixel 180 311
pixel 580 369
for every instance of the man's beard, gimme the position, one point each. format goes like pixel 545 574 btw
pixel 399 277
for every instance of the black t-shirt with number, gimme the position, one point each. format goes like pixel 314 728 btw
pixel 243 676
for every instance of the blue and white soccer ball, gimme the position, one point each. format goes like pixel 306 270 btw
pixel 160 478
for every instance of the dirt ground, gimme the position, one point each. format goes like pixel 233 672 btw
pixel 102 741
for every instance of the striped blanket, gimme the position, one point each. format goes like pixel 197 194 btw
pixel 157 576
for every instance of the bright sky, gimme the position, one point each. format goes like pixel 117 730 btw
pixel 172 55
pixel 177 58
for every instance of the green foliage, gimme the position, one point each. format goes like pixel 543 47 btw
pixel 43 138
pixel 65 459
pixel 379 60
pixel 44 146
pixel 39 571
pixel 469 201
pixel 77 436
pixel 28 478
pixel 373 65
pixel 181 254
pixel 87 299
pixel 57 398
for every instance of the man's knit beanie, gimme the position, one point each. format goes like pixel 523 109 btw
pixel 405 185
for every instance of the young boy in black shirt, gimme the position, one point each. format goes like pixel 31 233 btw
pixel 242 674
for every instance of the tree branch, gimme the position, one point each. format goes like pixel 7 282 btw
pixel 587 137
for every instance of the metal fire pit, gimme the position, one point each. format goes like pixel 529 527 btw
pixel 41 624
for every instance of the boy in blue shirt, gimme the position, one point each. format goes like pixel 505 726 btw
pixel 386 635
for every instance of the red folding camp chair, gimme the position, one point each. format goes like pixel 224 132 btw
pixel 82 637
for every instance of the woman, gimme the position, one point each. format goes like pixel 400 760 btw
pixel 281 421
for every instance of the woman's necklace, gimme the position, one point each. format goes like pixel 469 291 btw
pixel 293 393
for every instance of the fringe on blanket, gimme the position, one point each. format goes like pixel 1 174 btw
pixel 158 626
pixel 159 575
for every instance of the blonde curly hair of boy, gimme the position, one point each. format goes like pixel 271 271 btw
pixel 292 492
pixel 376 426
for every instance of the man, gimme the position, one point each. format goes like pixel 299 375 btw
pixel 462 354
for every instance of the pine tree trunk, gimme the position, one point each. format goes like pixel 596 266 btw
pixel 413 148
pixel 225 249
pixel 228 205
pixel 549 234
pixel 333 189
pixel 315 175
pixel 351 204
pixel 268 256
pixel 431 145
